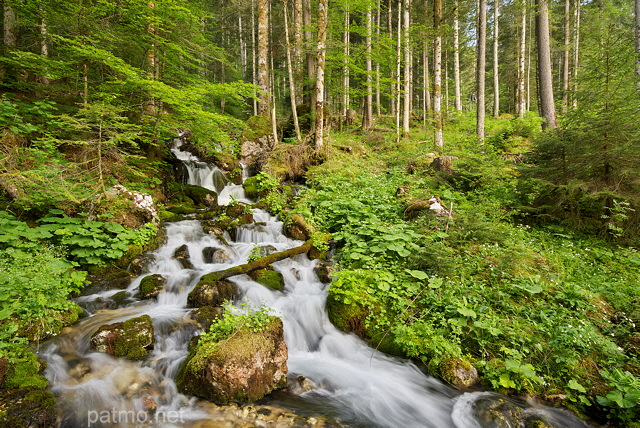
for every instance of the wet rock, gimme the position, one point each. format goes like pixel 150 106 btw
pixel 140 264
pixel 493 411
pixel 243 367
pixel 257 142
pixel 298 228
pixel 296 273
pixel 143 207
pixel 269 278
pixel 458 372
pixel 200 196
pixel 209 291
pixel 205 315
pixel 215 255
pixel 113 279
pixel 152 285
pixel 323 272
pixel 299 384
pixel 131 339
pixel 182 255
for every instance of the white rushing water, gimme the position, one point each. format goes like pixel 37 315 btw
pixel 350 381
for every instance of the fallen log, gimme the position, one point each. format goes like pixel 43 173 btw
pixel 260 263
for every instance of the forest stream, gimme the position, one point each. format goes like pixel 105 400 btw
pixel 347 382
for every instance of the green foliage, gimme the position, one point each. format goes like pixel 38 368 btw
pixel 234 320
pixel 266 182
pixel 624 397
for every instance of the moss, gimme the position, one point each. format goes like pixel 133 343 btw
pixel 349 318
pixel 211 291
pixel 250 186
pixel 182 209
pixel 457 371
pixel 25 408
pixel 151 285
pixel 257 126
pixel 131 339
pixel 269 278
pixel 26 374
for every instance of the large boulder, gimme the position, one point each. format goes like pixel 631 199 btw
pixel 132 339
pixel 182 255
pixel 243 367
pixel 458 372
pixel 210 291
pixel 257 142
pixel 493 411
pixel 215 255
pixel 268 277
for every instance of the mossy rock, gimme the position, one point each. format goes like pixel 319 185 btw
pixel 244 367
pixel 200 195
pixel 269 278
pixel 151 286
pixel 205 315
pixel 257 126
pixel 132 339
pixel 182 209
pixel 38 329
pixel 494 411
pixel 211 291
pixel 458 372
pixel 28 408
pixel 349 318
pixel 25 373
pixel 250 186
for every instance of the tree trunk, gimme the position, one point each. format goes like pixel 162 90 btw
pixel 547 104
pixel 576 46
pixel 398 68
pixel 496 80
pixel 426 82
pixel 346 40
pixel 456 57
pixel 323 6
pixel 298 46
pixel 10 36
pixel 406 113
pixel 243 49
pixel 521 102
pixel 637 7
pixel 437 76
pixel 254 57
pixel 151 58
pixel 566 56
pixel 392 109
pixel 480 69
pixel 378 112
pixel 367 118
pixel 264 108
pixel 308 40
pixel 292 82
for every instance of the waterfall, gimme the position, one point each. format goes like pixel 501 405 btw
pixel 347 379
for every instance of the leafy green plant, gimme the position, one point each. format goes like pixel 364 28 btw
pixel 234 319
pixel 624 396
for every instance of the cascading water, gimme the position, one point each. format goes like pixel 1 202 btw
pixel 349 381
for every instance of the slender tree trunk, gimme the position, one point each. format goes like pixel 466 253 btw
pixel 264 109
pixel 298 47
pixel 437 76
pixel 637 8
pixel 254 57
pixel 308 39
pixel 425 76
pixel 367 119
pixel 292 81
pixel 151 58
pixel 456 57
pixel 547 104
pixel 406 114
pixel 323 10
pixel 378 112
pixel 566 56
pixel 521 103
pixel 576 46
pixel 243 49
pixel 496 79
pixel 398 68
pixel 392 109
pixel 480 69
pixel 10 35
pixel 346 40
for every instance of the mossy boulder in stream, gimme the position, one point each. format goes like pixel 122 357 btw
pixel 211 291
pixel 458 372
pixel 245 366
pixel 494 411
pixel 151 286
pixel 132 339
pixel 269 278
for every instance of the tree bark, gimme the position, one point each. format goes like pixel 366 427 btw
pixel 367 118
pixel 151 59
pixel 576 46
pixel 323 10
pixel 298 46
pixel 254 57
pixel 437 76
pixel 398 69
pixel 346 40
pixel 264 108
pixel 566 56
pixel 521 103
pixel 547 104
pixel 637 11
pixel 496 75
pixel 308 40
pixel 480 69
pixel 406 113
pixel 378 107
pixel 292 82
pixel 456 57
pixel 392 109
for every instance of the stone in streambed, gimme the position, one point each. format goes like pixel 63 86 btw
pixel 132 339
pixel 182 255
pixel 458 372
pixel 211 291
pixel 269 278
pixel 151 286
pixel 215 255
pixel 243 367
